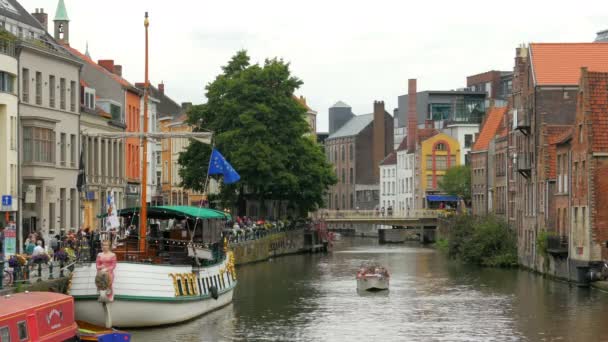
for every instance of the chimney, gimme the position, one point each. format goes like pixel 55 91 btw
pixel 107 64
pixel 43 18
pixel 161 88
pixel 186 105
pixel 412 117
pixel 379 150
pixel 118 70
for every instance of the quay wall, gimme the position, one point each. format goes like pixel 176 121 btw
pixel 277 244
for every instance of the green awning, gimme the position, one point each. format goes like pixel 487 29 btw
pixel 176 212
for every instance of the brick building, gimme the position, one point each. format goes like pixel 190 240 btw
pixel 545 89
pixel 486 164
pixel 356 147
pixel 497 84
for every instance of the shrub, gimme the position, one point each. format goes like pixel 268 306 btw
pixel 485 241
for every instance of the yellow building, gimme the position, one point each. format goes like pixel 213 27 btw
pixel 173 193
pixel 434 156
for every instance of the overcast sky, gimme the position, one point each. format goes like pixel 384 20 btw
pixel 352 51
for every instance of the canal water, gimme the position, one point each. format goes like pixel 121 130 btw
pixel 313 298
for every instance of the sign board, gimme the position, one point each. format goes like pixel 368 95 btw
pixel 90 195
pixel 10 240
pixel 132 189
pixel 30 194
pixel 7 200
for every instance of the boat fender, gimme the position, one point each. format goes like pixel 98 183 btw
pixel 213 291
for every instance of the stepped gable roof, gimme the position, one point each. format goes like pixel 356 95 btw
pixel 91 62
pixel 353 126
pixel 490 128
pixel 560 63
pixel 597 107
pixel 555 134
pixel 391 159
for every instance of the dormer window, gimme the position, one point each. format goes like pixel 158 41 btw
pixel 89 98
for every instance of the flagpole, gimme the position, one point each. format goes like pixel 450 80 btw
pixel 207 177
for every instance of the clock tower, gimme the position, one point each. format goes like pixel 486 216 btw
pixel 62 24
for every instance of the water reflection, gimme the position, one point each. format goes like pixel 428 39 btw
pixel 314 298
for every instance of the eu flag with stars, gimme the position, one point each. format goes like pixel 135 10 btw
pixel 219 166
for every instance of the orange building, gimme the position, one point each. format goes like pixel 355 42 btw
pixel 133 157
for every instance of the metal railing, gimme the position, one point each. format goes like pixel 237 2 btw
pixel 32 272
pixel 395 214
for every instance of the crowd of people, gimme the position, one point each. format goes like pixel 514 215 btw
pixel 248 228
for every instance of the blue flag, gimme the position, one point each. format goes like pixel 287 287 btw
pixel 219 166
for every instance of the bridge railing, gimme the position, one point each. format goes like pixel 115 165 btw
pixel 373 214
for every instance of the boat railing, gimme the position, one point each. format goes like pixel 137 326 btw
pixel 33 271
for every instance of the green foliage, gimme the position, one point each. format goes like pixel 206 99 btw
pixel 442 245
pixel 261 130
pixel 457 182
pixel 484 241
pixel 542 242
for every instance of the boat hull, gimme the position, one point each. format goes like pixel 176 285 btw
pixel 147 295
pixel 372 283
pixel 147 313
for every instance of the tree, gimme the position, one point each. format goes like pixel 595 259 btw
pixel 457 182
pixel 261 130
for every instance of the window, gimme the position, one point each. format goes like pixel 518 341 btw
pixel 5 334
pixel 343 176
pixel 62 207
pixel 62 149
pixel 73 147
pixel 38 145
pixel 352 176
pixel 72 96
pixel 22 331
pixel 38 88
pixel 25 89
pixel 62 93
pixel 580 133
pixel 13 132
pixel 343 153
pixel 115 111
pixel 352 152
pixel 6 82
pixel 52 91
pixel 440 147
pixel 468 140
pixel 73 209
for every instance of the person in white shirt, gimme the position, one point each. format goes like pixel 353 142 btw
pixel 38 249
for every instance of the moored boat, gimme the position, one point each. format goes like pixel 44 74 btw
pixel 372 277
pixel 37 316
pixel 166 282
pixel 92 332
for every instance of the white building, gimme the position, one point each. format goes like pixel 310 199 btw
pixel 465 134
pixel 388 183
pixel 154 193
pixel 405 179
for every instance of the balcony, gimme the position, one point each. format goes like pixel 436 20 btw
pixel 524 163
pixel 557 245
pixel 7 47
pixel 523 121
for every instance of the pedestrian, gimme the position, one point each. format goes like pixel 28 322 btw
pixel 54 243
pixel 29 245
pixel 38 250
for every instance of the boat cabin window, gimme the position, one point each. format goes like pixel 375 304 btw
pixel 22 329
pixel 5 335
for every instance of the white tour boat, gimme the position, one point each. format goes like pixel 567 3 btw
pixel 372 277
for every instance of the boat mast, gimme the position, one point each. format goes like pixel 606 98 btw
pixel 144 177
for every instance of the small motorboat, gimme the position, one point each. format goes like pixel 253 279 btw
pixel 372 277
pixel 92 332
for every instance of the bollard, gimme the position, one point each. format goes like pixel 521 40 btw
pixel 1 274
pixel 61 269
pixel 39 271
pixel 51 270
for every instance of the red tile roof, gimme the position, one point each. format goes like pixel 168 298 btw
pixel 88 60
pixel 425 133
pixel 555 134
pixel 490 128
pixel 391 159
pixel 560 63
pixel 598 110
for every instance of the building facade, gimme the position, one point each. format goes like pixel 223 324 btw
pixel 356 149
pixel 388 183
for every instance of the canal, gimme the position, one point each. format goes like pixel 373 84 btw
pixel 313 298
